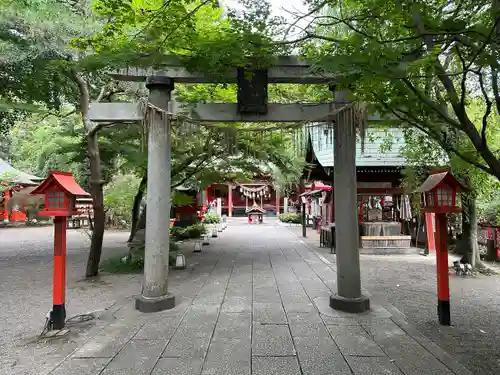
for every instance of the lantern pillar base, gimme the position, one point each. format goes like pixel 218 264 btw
pixel 444 313
pixel 151 305
pixel 350 305
pixel 58 316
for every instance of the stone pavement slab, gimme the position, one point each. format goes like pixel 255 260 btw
pixel 272 340
pixel 255 302
pixel 275 366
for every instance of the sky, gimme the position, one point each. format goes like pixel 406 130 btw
pixel 278 7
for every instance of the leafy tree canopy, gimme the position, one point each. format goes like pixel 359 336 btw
pixel 423 62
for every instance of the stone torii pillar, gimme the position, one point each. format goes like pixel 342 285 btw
pixel 155 296
pixel 348 297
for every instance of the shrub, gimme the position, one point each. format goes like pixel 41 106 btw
pixel 136 262
pixel 196 230
pixel 290 218
pixel 177 233
pixel 118 198
pixel 211 218
pixel 192 231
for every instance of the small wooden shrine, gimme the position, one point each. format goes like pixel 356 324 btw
pixel 255 214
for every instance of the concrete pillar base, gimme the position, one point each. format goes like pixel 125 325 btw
pixel 150 305
pixel 350 305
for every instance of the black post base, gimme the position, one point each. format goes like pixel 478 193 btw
pixel 444 313
pixel 57 317
pixel 425 252
pixel 303 214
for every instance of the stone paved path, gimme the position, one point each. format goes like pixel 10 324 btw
pixel 408 282
pixel 255 301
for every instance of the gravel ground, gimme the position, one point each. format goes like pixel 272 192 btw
pixel 26 283
pixel 408 282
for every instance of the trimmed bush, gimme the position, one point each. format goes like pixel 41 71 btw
pixel 135 264
pixel 290 218
pixel 192 231
pixel 211 218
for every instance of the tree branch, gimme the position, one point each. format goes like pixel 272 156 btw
pixel 195 170
pixel 187 16
pixel 464 76
pixel 487 112
pixel 431 104
pixel 458 106
pixel 300 18
pixel 440 140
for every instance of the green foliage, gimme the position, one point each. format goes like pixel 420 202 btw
pixel 118 198
pixel 6 181
pixel 423 62
pixel 181 199
pixel 190 232
pixel 290 218
pixel 211 218
pixel 34 45
pixel 489 213
pixel 116 265
pixel 42 143
pixel 140 33
pixel 135 264
pixel 423 153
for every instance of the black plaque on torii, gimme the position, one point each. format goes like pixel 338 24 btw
pixel 252 91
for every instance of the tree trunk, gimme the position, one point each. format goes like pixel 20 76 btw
pixel 136 207
pixel 98 207
pixel 95 182
pixel 468 246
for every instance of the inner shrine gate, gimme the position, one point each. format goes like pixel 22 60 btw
pixel 252 106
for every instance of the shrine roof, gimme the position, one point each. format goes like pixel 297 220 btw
pixel 382 147
pixel 65 181
pixel 10 174
pixel 436 179
pixel 257 209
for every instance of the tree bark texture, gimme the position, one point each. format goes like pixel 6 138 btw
pixel 136 206
pixel 98 207
pixel 95 182
pixel 468 246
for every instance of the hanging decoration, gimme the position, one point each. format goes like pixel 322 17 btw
pixel 255 192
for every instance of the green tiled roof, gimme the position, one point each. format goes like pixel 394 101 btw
pixel 11 174
pixel 382 147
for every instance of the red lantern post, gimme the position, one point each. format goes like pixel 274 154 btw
pixel 439 193
pixel 61 191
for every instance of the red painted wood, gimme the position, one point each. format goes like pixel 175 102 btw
pixel 230 200
pixel 431 241
pixel 496 243
pixel 443 281
pixel 59 280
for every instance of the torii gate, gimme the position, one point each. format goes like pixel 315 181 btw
pixel 252 106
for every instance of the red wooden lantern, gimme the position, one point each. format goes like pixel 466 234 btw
pixel 61 191
pixel 439 192
pixel 439 195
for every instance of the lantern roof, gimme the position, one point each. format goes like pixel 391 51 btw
pixel 65 181
pixel 438 177
pixel 257 209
